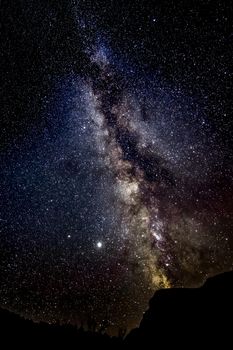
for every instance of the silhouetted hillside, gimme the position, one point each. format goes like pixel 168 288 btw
pixel 17 330
pixel 188 316
pixel 183 317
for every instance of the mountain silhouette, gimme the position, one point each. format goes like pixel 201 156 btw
pixel 188 316
pixel 17 331
pixel 185 317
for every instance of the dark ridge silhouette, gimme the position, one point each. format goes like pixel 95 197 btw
pixel 175 317
pixel 188 317
pixel 18 331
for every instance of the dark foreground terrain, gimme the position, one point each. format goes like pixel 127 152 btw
pixel 185 317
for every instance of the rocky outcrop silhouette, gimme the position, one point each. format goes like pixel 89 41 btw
pixel 194 315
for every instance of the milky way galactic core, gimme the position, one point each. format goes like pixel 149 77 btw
pixel 123 187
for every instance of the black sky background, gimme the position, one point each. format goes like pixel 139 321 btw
pixel 52 181
pixel 189 43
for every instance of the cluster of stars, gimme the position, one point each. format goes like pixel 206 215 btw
pixel 120 182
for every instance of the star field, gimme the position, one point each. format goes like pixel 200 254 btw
pixel 116 156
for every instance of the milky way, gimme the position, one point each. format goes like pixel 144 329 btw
pixel 122 189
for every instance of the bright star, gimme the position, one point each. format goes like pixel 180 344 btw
pixel 99 244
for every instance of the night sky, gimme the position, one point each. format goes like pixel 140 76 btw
pixel 116 154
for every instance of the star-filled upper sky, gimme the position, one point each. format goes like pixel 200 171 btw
pixel 115 155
